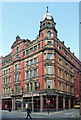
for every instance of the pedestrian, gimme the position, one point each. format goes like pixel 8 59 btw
pixel 28 113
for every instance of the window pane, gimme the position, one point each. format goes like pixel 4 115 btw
pixel 16 77
pixel 35 72
pixel 24 53
pixel 35 60
pixel 49 34
pixel 15 67
pixel 38 46
pixel 49 55
pixel 50 84
pixel 31 73
pixel 9 79
pixel 27 52
pixel 45 56
pixel 27 87
pixel 27 63
pixel 45 69
pixel 49 42
pixel 27 74
pixel 48 24
pixel 49 69
pixel 31 62
pixel 35 86
pixel 31 49
pixel 31 86
pixel 17 49
pixel 35 48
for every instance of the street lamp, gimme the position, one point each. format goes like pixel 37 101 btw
pixel 22 97
pixel 32 97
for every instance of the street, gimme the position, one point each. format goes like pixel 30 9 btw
pixel 65 114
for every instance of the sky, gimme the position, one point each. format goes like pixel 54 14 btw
pixel 23 19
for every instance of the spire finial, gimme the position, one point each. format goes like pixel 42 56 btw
pixel 47 9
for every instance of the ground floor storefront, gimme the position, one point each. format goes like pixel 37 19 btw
pixel 57 102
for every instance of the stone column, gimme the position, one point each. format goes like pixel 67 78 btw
pixel 13 103
pixel 63 102
pixel 69 103
pixel 41 103
pixel 56 102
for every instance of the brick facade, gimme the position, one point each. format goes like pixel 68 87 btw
pixel 44 66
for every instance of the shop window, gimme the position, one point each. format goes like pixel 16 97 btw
pixel 49 84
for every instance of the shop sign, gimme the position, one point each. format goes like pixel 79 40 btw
pixel 30 95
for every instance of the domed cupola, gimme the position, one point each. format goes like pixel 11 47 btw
pixel 47 16
pixel 47 24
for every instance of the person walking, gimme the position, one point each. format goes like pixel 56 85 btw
pixel 28 113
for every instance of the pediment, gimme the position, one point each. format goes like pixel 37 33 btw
pixel 18 40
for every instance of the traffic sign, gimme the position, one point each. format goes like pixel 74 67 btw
pixel 47 101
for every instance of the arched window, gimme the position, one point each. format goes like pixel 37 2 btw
pixel 48 24
pixel 43 25
pixel 49 34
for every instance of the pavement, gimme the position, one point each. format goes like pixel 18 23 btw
pixel 70 114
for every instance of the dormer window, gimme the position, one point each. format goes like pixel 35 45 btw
pixel 49 34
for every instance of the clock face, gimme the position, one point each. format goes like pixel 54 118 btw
pixel 49 34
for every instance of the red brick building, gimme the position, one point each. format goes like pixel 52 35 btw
pixel 44 68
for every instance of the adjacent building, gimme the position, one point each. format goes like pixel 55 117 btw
pixel 41 69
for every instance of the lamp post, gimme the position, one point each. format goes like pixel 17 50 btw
pixel 32 97
pixel 22 97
